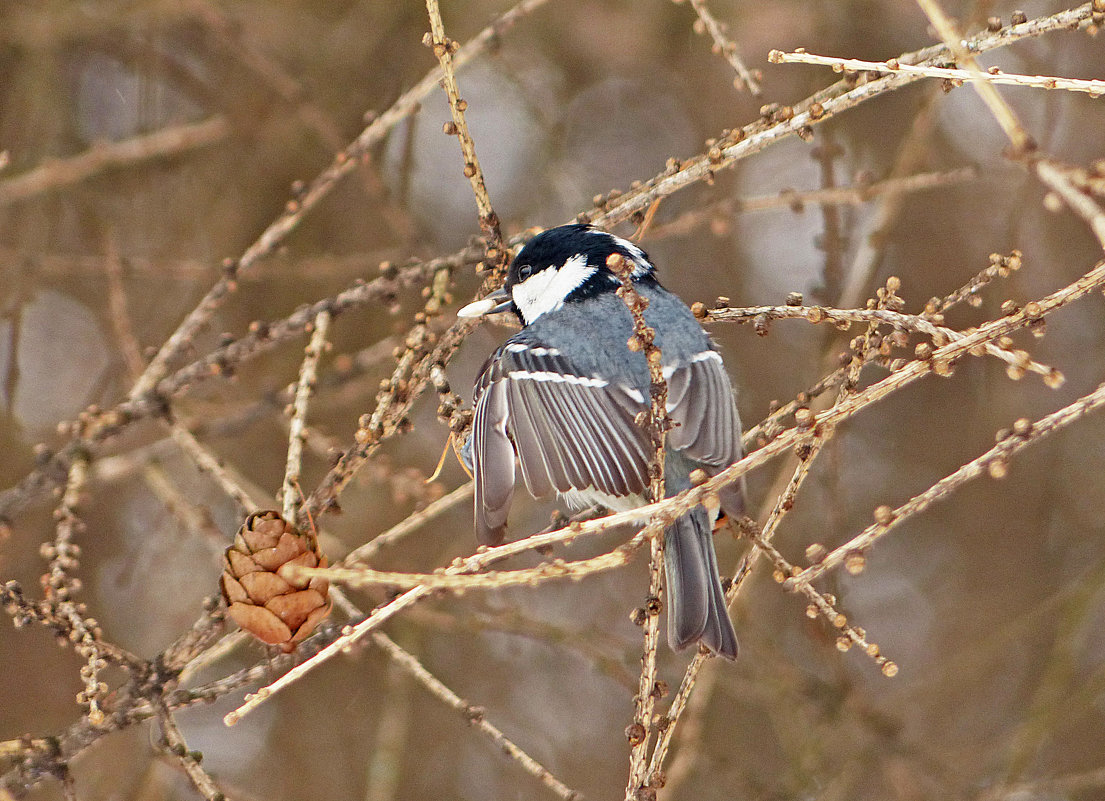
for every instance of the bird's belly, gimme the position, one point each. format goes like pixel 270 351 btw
pixel 580 499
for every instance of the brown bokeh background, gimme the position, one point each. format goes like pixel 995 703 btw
pixel 991 603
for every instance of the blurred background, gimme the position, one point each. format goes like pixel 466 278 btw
pixel 991 603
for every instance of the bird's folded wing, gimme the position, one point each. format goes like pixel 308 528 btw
pixel 574 431
pixel 571 431
pixel 701 404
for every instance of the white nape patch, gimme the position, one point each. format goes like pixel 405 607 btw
pixel 635 394
pixel 641 265
pixel 545 291
pixel 557 378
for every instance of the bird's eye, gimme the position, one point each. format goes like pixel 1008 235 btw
pixel 525 271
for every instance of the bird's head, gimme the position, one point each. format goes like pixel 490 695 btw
pixel 559 266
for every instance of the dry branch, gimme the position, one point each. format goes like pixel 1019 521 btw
pixel 708 23
pixel 1094 88
pixel 444 48
pixel 104 156
pixel 994 462
pixel 308 375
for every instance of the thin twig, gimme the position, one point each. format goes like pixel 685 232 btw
pixel 364 554
pixel 60 586
pixel 999 267
pixel 207 462
pixel 1094 88
pixel 308 375
pixel 726 47
pixel 643 340
pixel 444 48
pixel 475 716
pixel 189 760
pixel 994 461
pixel 1059 179
pixel 492 580
pixel 909 322
pixel 1002 111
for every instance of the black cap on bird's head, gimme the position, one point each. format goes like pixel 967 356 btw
pixel 560 266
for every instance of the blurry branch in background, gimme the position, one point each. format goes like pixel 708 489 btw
pixel 475 716
pixel 1063 786
pixel 293 94
pixel 863 191
pixel 61 173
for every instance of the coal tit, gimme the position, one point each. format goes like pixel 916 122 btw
pixel 562 395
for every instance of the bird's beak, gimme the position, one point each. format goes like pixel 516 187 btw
pixel 498 301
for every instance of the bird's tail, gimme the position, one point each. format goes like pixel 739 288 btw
pixel 696 602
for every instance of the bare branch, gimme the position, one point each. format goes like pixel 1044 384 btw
pixel 444 48
pixel 708 23
pixel 308 374
pixel 61 173
pixel 994 461
pixel 1094 88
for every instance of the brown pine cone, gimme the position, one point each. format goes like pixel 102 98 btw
pixel 260 593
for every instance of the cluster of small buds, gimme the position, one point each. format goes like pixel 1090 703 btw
pixel 602 202
pixel 450 409
pixel 16 605
pixel 825 606
pixel 94 689
pixel 1000 266
pixel 93 423
pixel 440 48
pixel 887 297
pixel 776 113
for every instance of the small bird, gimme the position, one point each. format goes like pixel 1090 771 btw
pixel 562 396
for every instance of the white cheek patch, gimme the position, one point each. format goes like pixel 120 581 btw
pixel 545 291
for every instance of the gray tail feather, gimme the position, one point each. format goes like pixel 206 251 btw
pixel 696 602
